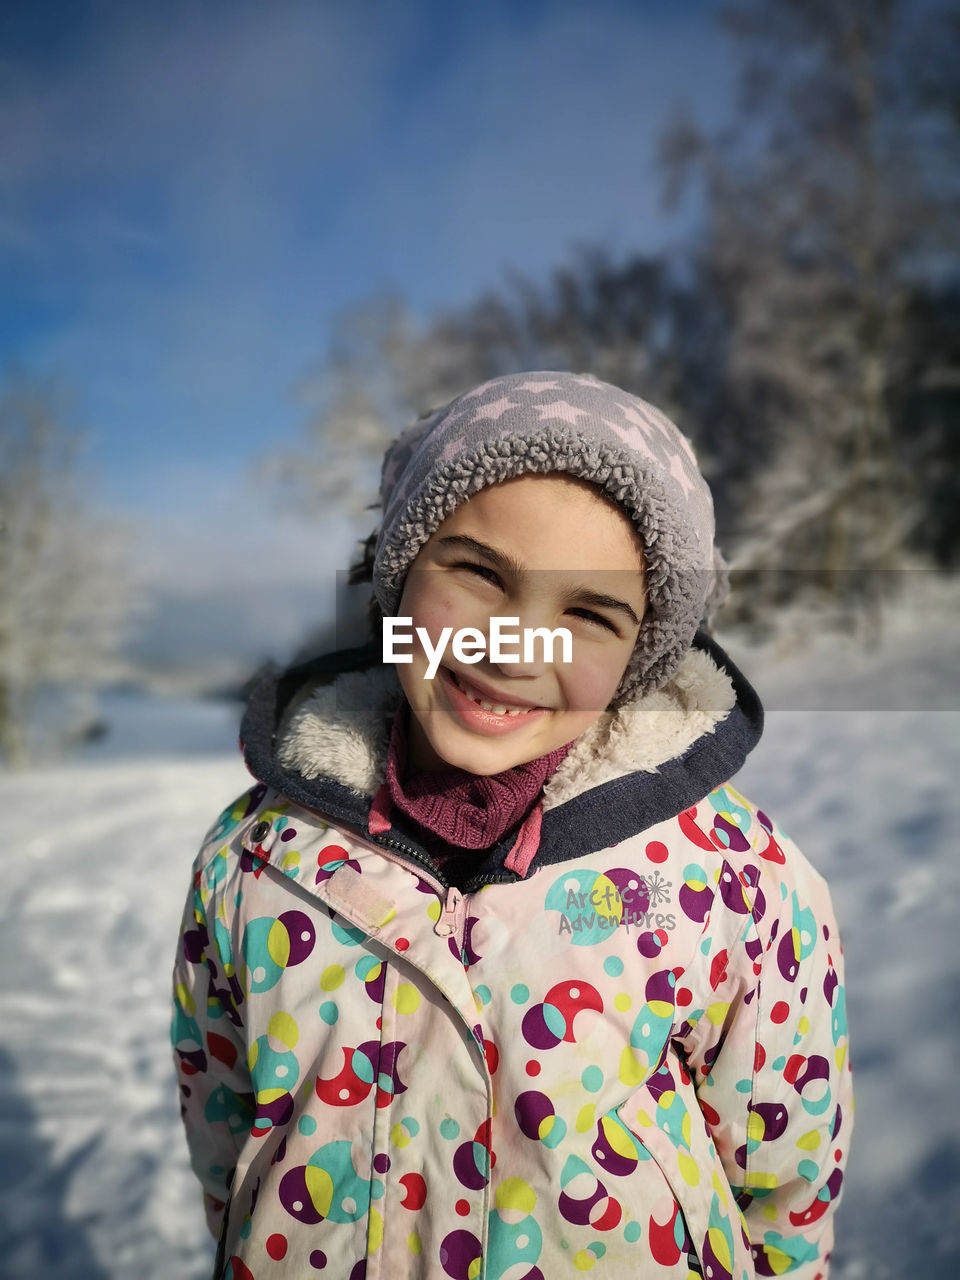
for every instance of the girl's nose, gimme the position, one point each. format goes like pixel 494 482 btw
pixel 532 651
pixel 512 670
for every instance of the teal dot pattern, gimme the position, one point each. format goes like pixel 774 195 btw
pixel 631 1063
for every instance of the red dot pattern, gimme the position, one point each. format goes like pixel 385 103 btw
pixel 773 1063
pixel 492 1055
pixel 277 1246
pixel 794 1067
pixel 710 1113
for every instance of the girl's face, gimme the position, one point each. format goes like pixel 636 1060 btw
pixel 552 551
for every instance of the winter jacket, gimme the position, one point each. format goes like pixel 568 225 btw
pixel 630 1061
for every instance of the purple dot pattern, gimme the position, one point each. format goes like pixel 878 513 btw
pixel 631 1063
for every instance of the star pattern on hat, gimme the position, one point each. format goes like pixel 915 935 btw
pixel 679 472
pixel 687 447
pixel 633 438
pixel 451 422
pixel 452 448
pixel 674 435
pixel 497 408
pixel 639 420
pixel 669 429
pixel 545 385
pixel 521 418
pixel 561 409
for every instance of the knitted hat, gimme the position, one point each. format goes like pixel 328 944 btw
pixel 533 423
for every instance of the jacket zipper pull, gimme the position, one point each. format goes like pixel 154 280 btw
pixel 448 920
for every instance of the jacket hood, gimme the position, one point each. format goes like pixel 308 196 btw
pixel 318 733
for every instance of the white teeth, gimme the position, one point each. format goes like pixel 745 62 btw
pixel 498 708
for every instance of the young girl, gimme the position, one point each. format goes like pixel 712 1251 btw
pixel 493 973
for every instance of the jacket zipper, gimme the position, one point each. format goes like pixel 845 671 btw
pixel 452 917
pixel 380 843
pixel 453 903
pixel 383 844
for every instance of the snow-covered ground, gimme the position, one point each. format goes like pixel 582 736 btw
pixel 859 763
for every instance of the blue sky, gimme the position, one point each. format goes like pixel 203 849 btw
pixel 191 192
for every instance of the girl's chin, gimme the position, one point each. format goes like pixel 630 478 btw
pixel 481 757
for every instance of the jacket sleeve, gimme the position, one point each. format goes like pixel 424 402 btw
pixel 769 1054
pixel 216 1098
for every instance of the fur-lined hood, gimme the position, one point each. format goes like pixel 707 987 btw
pixel 319 734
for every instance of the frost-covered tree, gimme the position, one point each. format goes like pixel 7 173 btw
pixel 793 340
pixel 66 593
pixel 591 314
pixel 828 205
pixel 353 402
pixel 625 322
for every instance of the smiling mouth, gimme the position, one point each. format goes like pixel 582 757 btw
pixel 485 704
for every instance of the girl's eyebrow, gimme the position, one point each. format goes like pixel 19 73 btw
pixel 607 602
pixel 498 558
pixel 507 564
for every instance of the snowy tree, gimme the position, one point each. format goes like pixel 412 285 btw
pixel 796 341
pixel 589 315
pixel 827 204
pixel 354 401
pixel 383 370
pixel 66 594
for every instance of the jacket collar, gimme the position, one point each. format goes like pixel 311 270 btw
pixel 318 733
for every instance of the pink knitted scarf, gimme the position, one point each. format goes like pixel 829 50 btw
pixel 460 808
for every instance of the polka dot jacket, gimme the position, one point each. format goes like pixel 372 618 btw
pixel 630 1060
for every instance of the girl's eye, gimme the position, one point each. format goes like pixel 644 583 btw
pixel 596 618
pixel 481 570
pixel 488 575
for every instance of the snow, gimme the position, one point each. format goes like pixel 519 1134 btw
pixel 94 1176
pixel 858 764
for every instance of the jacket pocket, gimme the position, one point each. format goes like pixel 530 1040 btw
pixel 671 1128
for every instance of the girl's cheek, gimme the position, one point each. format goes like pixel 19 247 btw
pixel 590 681
pixel 427 606
pixel 433 615
pixel 434 608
